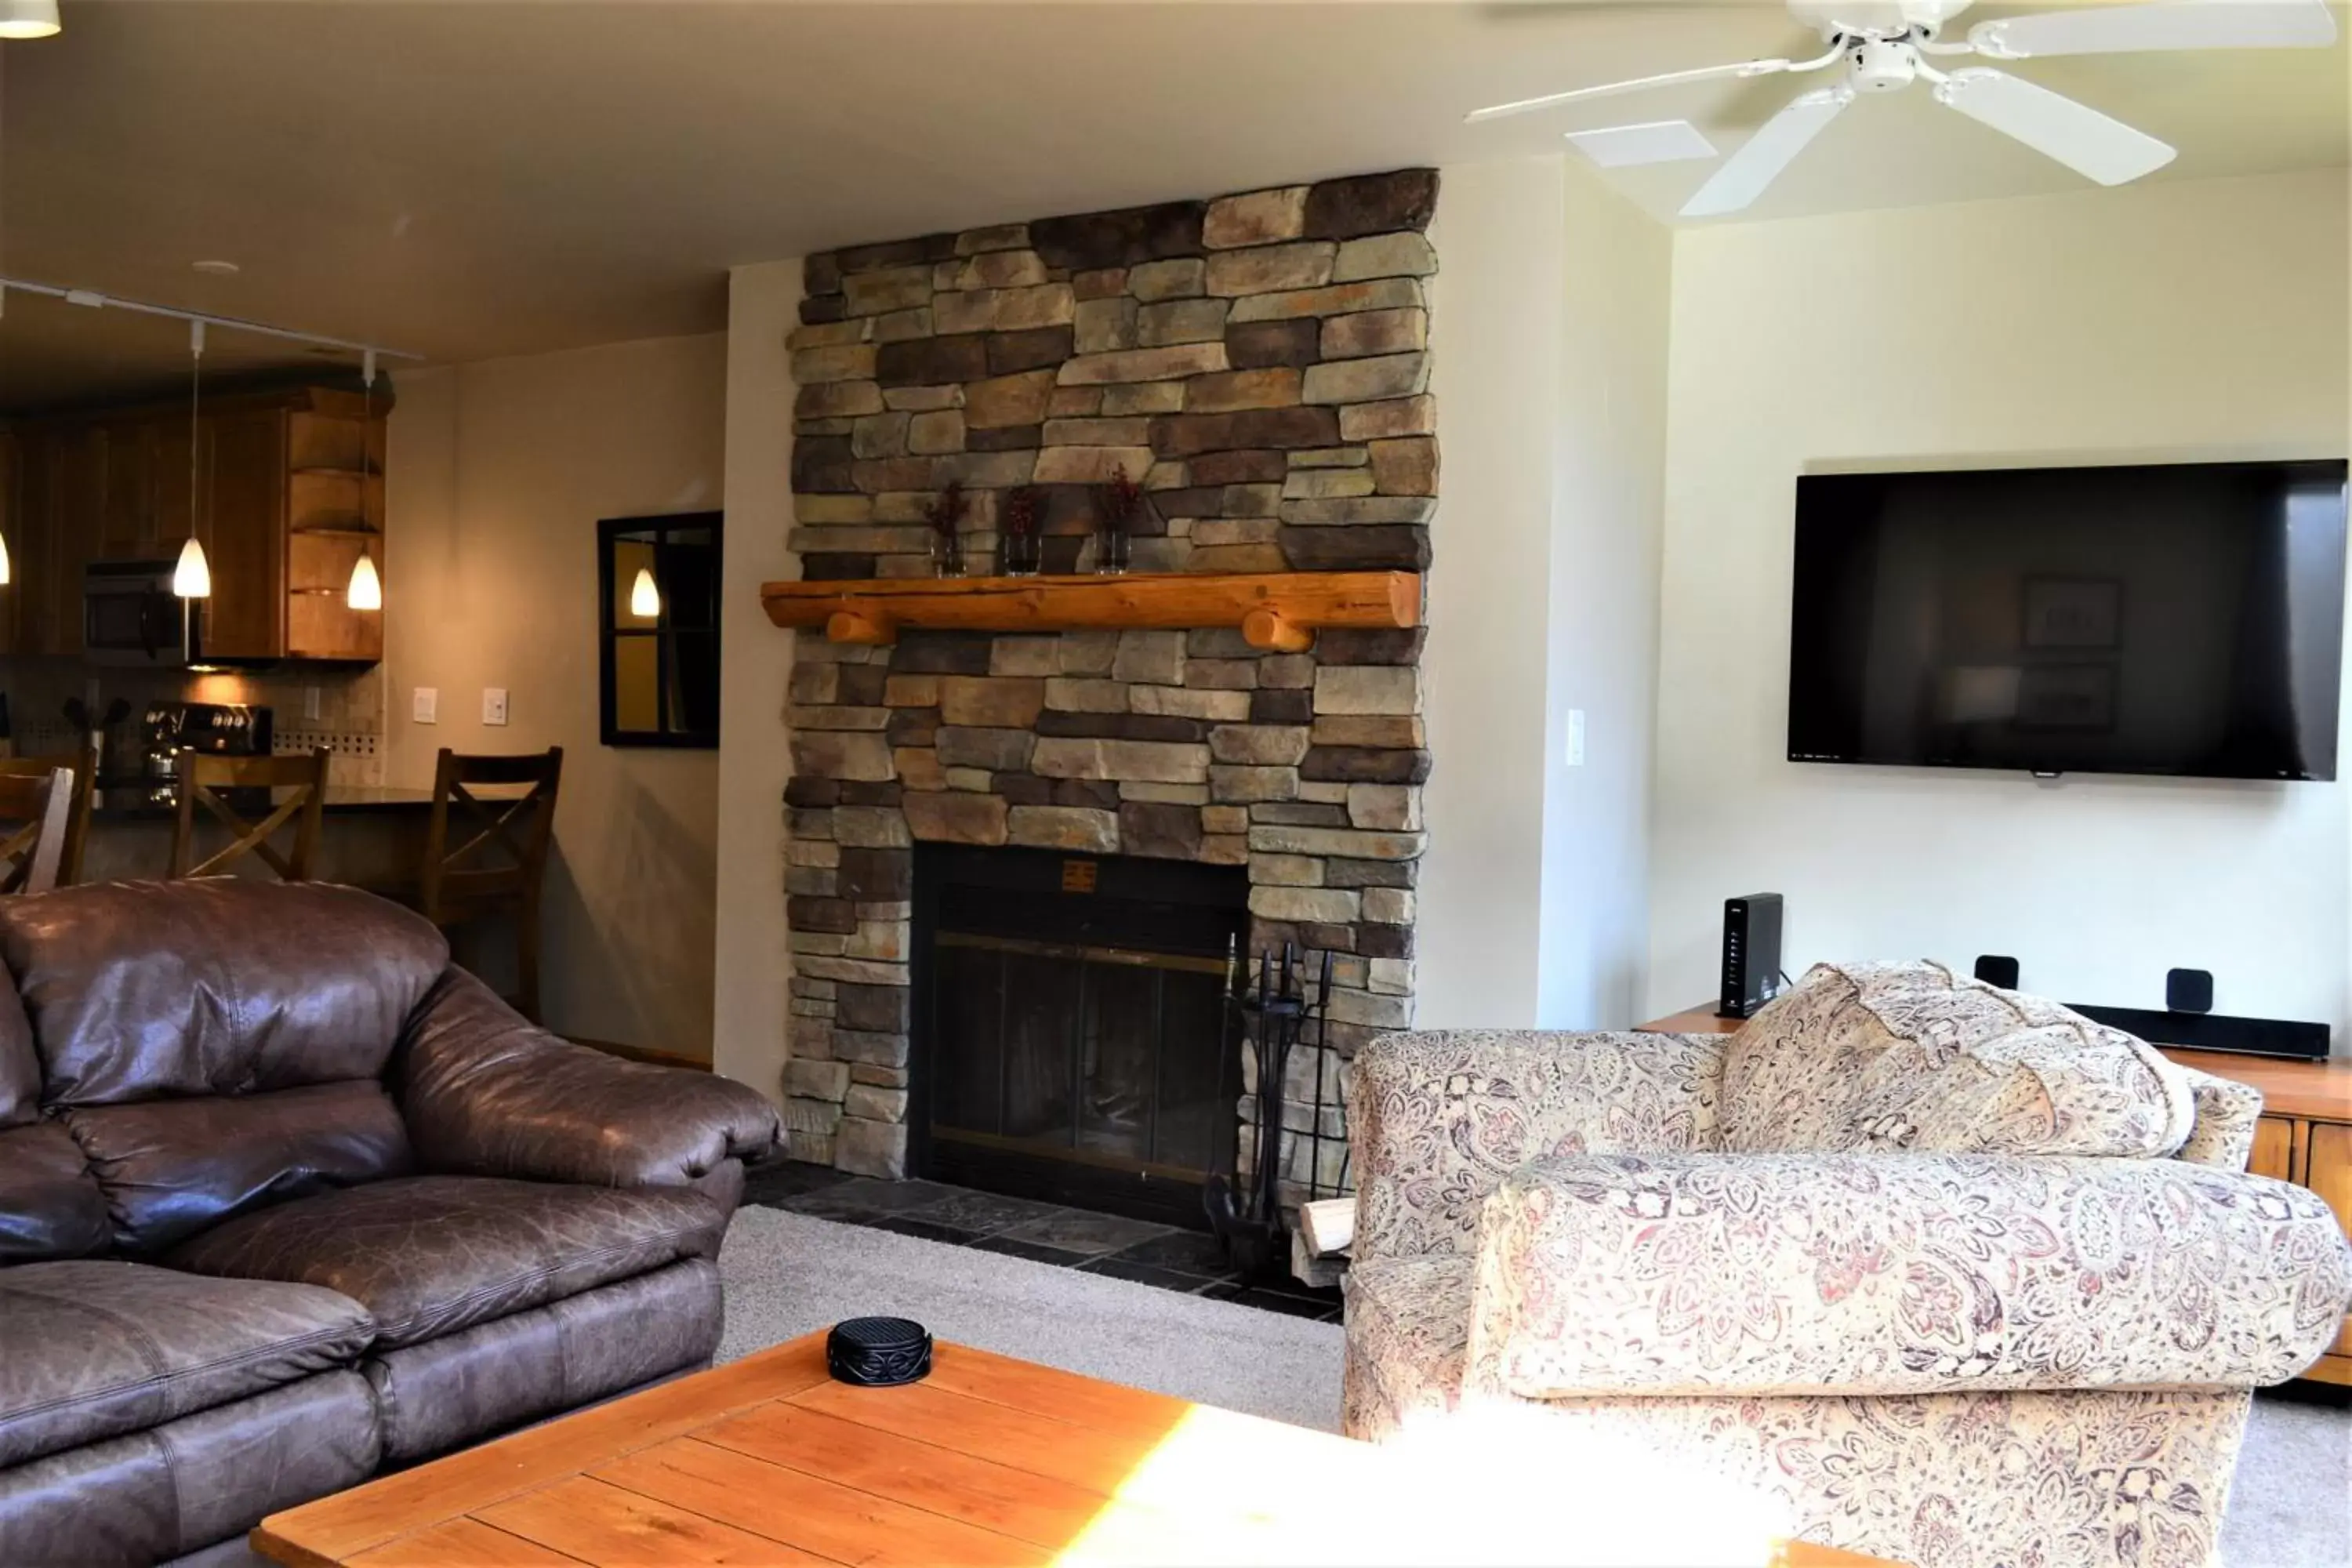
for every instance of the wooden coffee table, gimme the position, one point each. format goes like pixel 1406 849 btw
pixel 990 1460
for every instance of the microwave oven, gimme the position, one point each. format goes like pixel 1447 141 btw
pixel 131 617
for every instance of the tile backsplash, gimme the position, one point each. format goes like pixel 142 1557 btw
pixel 350 705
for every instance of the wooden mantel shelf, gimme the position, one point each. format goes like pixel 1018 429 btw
pixel 1274 610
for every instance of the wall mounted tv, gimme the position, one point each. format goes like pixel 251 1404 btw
pixel 2182 618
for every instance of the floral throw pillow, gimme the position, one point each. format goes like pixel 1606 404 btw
pixel 1909 1055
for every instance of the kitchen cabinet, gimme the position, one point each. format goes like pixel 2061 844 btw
pixel 283 487
pixel 244 461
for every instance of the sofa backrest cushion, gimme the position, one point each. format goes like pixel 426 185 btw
pixel 1909 1055
pixel 212 985
pixel 50 1204
pixel 170 1168
pixel 20 1067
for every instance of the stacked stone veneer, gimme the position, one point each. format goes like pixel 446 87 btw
pixel 1260 362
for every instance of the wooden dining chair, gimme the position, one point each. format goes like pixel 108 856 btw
pixel 203 774
pixel 498 861
pixel 83 765
pixel 33 812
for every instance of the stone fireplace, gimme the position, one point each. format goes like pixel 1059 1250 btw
pixel 1260 361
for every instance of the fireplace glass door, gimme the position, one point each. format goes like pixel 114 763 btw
pixel 1072 1036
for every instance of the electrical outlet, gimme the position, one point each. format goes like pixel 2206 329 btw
pixel 425 705
pixel 311 703
pixel 1576 737
pixel 494 704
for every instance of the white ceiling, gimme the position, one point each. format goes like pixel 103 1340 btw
pixel 508 176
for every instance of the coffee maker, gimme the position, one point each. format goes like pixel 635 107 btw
pixel 222 729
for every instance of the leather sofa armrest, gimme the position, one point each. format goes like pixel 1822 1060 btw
pixel 1880 1273
pixel 484 1092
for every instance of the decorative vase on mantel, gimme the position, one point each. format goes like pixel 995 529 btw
pixel 1019 548
pixel 1118 503
pixel 946 543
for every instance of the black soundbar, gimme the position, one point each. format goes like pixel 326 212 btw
pixel 2215 1031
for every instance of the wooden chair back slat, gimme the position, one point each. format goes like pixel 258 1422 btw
pixel 83 765
pixel 34 808
pixel 202 775
pixel 490 852
pixel 529 768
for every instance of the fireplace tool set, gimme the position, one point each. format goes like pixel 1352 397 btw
pixel 1275 1019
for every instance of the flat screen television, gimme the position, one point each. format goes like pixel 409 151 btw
pixel 2179 618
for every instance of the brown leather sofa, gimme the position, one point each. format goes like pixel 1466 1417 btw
pixel 285 1198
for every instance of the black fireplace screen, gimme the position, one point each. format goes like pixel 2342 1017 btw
pixel 1071 1031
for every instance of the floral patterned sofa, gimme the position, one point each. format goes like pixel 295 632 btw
pixel 1944 1273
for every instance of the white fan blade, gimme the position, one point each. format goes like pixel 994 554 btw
pixel 1758 164
pixel 2085 140
pixel 1672 78
pixel 2168 25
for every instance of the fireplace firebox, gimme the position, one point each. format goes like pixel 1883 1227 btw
pixel 1071 1040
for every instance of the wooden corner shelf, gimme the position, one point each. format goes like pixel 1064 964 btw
pixel 1277 611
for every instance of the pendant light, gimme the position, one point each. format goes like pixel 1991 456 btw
pixel 192 578
pixel 28 19
pixel 365 591
pixel 645 599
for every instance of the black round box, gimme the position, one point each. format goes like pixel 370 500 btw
pixel 879 1353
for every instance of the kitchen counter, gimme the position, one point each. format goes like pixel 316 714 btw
pixel 372 836
pixel 134 805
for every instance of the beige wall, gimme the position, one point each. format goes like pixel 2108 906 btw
pixel 2194 320
pixel 1548 323
pixel 498 472
pixel 754 959
pixel 1608 531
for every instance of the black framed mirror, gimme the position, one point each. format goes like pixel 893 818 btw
pixel 657 629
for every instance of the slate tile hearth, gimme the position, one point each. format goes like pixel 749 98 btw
pixel 1161 1255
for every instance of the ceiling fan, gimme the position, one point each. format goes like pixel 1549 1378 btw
pixel 1884 46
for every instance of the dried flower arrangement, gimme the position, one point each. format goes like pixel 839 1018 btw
pixel 946 511
pixel 1022 510
pixel 1118 503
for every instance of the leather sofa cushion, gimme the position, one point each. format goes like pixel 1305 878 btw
pixel 181 1487
pixel 93 1349
pixel 466 1387
pixel 1910 1056
pixel 50 1206
pixel 431 1255
pixel 214 985
pixel 171 1167
pixel 20 1067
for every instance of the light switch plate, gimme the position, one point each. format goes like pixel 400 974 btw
pixel 494 704
pixel 425 705
pixel 311 703
pixel 1576 737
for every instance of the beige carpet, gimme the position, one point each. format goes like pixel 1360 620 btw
pixel 786 1274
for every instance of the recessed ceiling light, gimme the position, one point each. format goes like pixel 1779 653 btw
pixel 216 269
pixel 1626 146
